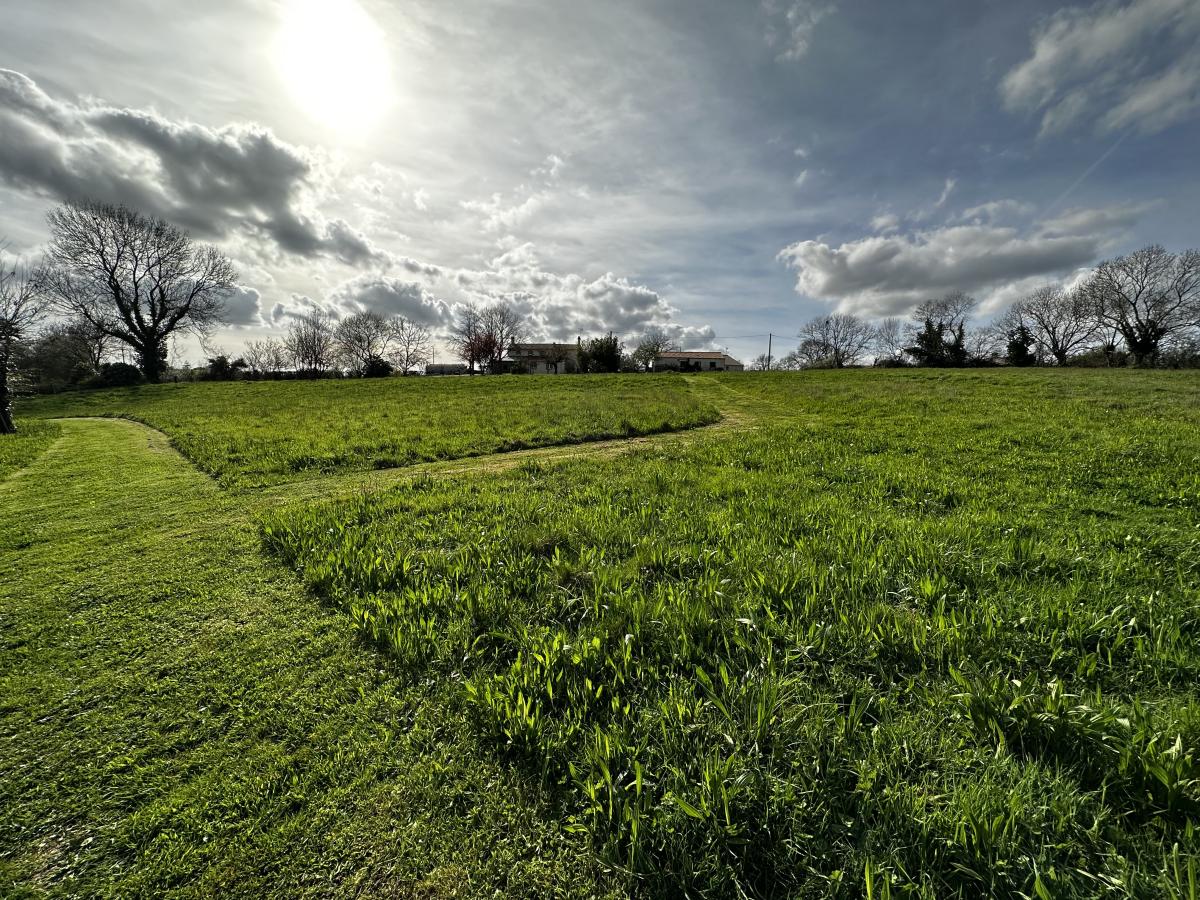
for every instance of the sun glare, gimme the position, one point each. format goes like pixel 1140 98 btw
pixel 334 59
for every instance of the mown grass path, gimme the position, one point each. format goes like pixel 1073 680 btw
pixel 178 717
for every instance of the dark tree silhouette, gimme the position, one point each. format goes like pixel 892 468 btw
pixel 602 354
pixel 135 278
pixel 1019 348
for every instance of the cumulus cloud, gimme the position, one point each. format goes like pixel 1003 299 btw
pixel 555 306
pixel 1130 64
pixel 351 247
pixel 501 215
pixel 213 181
pixel 887 275
pixel 242 308
pixel 390 296
pixel 562 307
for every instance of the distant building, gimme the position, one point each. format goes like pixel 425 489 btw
pixel 446 369
pixel 696 361
pixel 544 359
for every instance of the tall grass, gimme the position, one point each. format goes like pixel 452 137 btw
pixel 256 433
pixel 937 639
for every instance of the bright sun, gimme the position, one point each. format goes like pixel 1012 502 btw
pixel 334 60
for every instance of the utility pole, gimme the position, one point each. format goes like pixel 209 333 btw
pixel 770 339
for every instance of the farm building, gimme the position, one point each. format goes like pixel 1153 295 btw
pixel 545 359
pixel 446 369
pixel 696 361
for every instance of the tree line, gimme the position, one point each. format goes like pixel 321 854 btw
pixel 1141 309
pixel 363 344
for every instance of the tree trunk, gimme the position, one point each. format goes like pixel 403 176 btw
pixel 7 426
pixel 152 360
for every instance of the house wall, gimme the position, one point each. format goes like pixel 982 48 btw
pixel 537 365
pixel 695 365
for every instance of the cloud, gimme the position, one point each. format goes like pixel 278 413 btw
pixel 565 306
pixel 242 308
pixel 886 275
pixel 551 168
pixel 213 181
pixel 1122 65
pixel 554 306
pixel 390 297
pixel 885 222
pixel 792 25
pixel 801 178
pixel 947 189
pixel 995 211
pixel 1096 221
pixel 351 246
pixel 501 216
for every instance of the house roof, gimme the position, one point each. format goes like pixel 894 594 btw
pixel 695 354
pixel 541 348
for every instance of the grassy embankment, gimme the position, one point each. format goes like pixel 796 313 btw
pixel 250 434
pixel 927 633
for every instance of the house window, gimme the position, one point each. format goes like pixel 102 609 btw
pixel 712 363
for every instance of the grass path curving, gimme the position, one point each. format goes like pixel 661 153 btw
pixel 177 718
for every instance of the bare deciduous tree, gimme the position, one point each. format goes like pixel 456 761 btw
pixel 951 311
pixel 414 345
pixel 985 343
pixel 266 357
pixel 1147 296
pixel 789 362
pixel 135 278
pixel 503 326
pixel 484 336
pixel 1060 321
pixel 837 340
pixel 888 339
pixel 466 335
pixel 22 307
pixel 362 339
pixel 653 342
pixel 310 344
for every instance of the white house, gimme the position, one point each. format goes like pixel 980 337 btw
pixel 545 359
pixel 696 361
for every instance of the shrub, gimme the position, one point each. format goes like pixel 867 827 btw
pixel 377 368
pixel 115 374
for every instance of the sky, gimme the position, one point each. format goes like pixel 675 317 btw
pixel 724 169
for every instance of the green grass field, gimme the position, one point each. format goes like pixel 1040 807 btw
pixel 18 450
pixel 255 433
pixel 876 634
